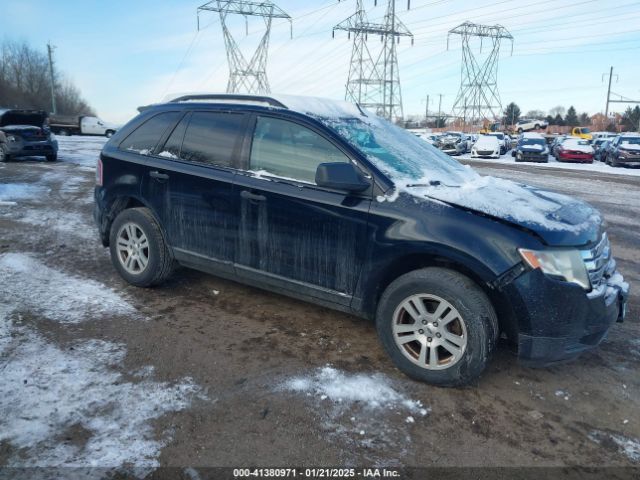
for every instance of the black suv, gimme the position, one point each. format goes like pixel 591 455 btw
pixel 323 201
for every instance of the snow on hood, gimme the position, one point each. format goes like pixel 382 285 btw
pixel 538 210
pixel 487 142
pixel 630 146
pixel 576 146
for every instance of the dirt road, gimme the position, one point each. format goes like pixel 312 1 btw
pixel 205 372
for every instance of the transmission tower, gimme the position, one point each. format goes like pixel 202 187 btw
pixel 246 76
pixel 478 98
pixel 374 78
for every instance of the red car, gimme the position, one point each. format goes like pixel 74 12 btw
pixel 575 150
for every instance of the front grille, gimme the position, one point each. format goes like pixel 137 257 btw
pixel 486 152
pixel 597 260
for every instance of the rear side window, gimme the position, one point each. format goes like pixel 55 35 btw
pixel 145 138
pixel 289 150
pixel 211 138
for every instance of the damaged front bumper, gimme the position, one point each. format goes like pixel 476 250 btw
pixel 558 321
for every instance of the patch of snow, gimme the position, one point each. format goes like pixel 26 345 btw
pixel 46 392
pixel 67 223
pixel 21 191
pixel 563 394
pixel 362 409
pixel 166 154
pixel 372 391
pixel 29 284
pixel 630 447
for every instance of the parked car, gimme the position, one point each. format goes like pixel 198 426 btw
pixel 431 138
pixel 624 151
pixel 555 145
pixel 575 150
pixel 600 146
pixel 322 201
pixel 532 147
pixel 26 135
pixel 80 125
pixel 603 135
pixel 582 132
pixel 487 146
pixel 502 140
pixel 528 124
pixel 453 143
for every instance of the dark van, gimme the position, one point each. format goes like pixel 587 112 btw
pixel 326 202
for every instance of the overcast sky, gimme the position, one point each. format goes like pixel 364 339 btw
pixel 123 54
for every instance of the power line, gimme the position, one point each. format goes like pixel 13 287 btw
pixel 246 76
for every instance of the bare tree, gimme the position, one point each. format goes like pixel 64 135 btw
pixel 25 82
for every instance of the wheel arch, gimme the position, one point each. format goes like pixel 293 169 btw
pixel 480 274
pixel 118 204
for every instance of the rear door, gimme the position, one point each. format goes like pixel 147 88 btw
pixel 293 233
pixel 190 185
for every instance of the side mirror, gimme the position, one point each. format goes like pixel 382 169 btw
pixel 340 176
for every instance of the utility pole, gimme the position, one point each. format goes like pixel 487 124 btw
pixel 374 80
pixel 606 110
pixel 479 76
pixel 426 113
pixel 246 76
pixel 439 110
pixel 52 78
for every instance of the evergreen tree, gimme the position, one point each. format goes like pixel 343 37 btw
pixel 631 119
pixel 549 119
pixel 585 119
pixel 512 114
pixel 558 120
pixel 571 118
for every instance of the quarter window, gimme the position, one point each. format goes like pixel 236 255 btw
pixel 289 150
pixel 144 139
pixel 211 138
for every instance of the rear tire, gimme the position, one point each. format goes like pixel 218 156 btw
pixel 138 249
pixel 449 311
pixel 109 133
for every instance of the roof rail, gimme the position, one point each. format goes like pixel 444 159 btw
pixel 232 97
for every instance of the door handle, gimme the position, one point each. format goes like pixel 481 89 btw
pixel 158 176
pixel 247 195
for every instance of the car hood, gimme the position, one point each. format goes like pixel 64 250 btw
pixel 21 118
pixel 559 220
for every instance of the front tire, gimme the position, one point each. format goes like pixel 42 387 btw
pixel 109 133
pixel 437 326
pixel 52 158
pixel 138 249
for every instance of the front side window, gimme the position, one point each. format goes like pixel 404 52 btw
pixel 211 138
pixel 286 149
pixel 145 138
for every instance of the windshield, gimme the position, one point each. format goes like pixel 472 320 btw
pixel 630 140
pixel 403 157
pixel 533 141
pixel 585 130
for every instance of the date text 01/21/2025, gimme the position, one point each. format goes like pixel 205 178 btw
pixel 315 473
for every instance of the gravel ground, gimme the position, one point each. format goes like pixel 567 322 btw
pixel 205 372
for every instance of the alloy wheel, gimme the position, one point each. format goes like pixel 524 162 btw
pixel 429 331
pixel 133 248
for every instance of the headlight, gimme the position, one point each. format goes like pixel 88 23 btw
pixel 11 138
pixel 564 265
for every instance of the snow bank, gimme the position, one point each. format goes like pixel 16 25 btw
pixel 29 284
pixel 47 393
